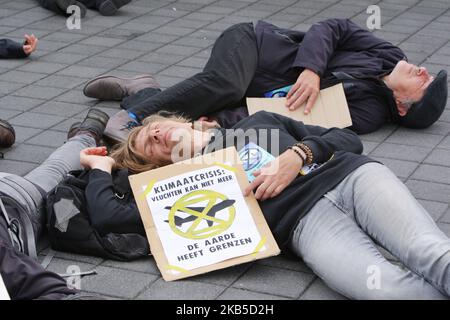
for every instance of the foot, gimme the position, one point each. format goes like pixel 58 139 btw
pixel 7 134
pixel 110 7
pixel 116 88
pixel 119 126
pixel 64 4
pixel 94 125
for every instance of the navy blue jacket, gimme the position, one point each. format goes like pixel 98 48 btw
pixel 11 49
pixel 330 46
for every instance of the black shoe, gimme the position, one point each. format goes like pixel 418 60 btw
pixel 94 124
pixel 64 4
pixel 110 7
pixel 7 134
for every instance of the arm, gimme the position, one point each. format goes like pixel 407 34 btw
pixel 12 49
pixel 324 38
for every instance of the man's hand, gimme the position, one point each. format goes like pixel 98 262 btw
pixel 30 44
pixel 96 158
pixel 272 179
pixel 306 89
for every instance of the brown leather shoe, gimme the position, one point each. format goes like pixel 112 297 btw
pixel 116 88
pixel 7 134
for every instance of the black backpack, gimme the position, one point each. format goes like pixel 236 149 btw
pixel 70 229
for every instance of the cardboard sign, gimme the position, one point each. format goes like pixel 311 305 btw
pixel 3 292
pixel 330 109
pixel 196 217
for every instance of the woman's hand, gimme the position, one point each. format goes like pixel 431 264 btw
pixel 306 88
pixel 96 158
pixel 30 44
pixel 272 179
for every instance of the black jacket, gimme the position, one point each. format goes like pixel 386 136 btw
pixel 11 49
pixel 110 203
pixel 336 154
pixel 329 48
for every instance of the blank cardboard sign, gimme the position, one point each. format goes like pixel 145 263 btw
pixel 330 109
pixel 196 217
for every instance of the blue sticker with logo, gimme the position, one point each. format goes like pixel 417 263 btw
pixel 253 158
pixel 278 93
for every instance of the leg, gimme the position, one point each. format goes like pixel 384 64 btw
pixel 221 84
pixel 60 162
pixel 340 253
pixel 52 6
pixel 386 210
pixel 26 279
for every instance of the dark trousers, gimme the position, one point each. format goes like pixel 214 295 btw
pixel 221 85
pixel 25 278
pixel 51 5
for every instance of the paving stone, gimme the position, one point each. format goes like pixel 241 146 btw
pixel 240 294
pixel 82 71
pixel 49 138
pixel 19 103
pixel 223 277
pixel 143 67
pixel 42 67
pixel 429 190
pixel 283 262
pixel 369 146
pixel 446 217
pixel 400 152
pixel 117 283
pixel 445 227
pixel 16 167
pixel 181 289
pixel 414 138
pixel 180 50
pixel 177 71
pixel 60 108
pixel 39 92
pixel 77 97
pixel 432 173
pixel 6 114
pixel 286 283
pixel 24 133
pixel 320 291
pixel 64 57
pixel 21 76
pixel 439 157
pixel 63 82
pixel 9 87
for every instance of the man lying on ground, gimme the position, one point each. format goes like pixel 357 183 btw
pixel 323 201
pixel 261 60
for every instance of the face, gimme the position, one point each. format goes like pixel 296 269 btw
pixel 409 82
pixel 157 140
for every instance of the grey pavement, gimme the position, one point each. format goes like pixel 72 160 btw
pixel 42 96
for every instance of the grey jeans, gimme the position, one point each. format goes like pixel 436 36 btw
pixel 336 239
pixel 30 189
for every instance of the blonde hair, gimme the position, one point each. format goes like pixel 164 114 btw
pixel 125 153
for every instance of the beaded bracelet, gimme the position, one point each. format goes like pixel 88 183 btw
pixel 307 151
pixel 302 156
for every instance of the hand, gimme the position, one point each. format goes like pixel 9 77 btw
pixel 96 158
pixel 272 179
pixel 205 123
pixel 30 44
pixel 306 89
